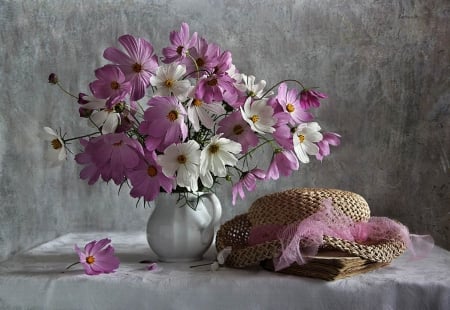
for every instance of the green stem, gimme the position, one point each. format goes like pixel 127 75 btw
pixel 59 85
pixel 134 117
pixel 79 137
pixel 257 147
pixel 195 266
pixel 71 265
pixel 139 105
pixel 283 81
pixel 196 65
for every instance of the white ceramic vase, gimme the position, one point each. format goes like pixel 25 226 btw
pixel 178 233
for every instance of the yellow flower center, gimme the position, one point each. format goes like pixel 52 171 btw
pixel 137 68
pixel 115 85
pixel 251 93
pixel 290 107
pixel 56 144
pixel 213 148
pixel 151 171
pixel 169 83
pixel 238 129
pixel 90 260
pixel 181 159
pixel 197 102
pixel 172 116
pixel 254 118
pixel 301 138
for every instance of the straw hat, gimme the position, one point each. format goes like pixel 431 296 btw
pixel 293 206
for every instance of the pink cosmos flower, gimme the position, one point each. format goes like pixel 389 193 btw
pixel 181 43
pixel 236 100
pixel 223 63
pixel 290 103
pixel 310 98
pixel 98 257
pixel 147 178
pixel 110 84
pixel 138 65
pixel 213 88
pixel 235 128
pixel 282 133
pixel 205 55
pixel 109 156
pixel 154 267
pixel 248 180
pixel 283 162
pixel 163 123
pixel 329 138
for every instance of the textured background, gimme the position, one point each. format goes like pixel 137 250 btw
pixel 384 65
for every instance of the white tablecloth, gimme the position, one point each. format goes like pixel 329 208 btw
pixel 34 280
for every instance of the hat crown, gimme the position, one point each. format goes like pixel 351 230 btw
pixel 295 205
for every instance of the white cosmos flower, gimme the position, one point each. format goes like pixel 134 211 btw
pixel 56 152
pixel 93 103
pixel 198 112
pixel 304 138
pixel 183 160
pixel 168 81
pixel 216 156
pixel 259 115
pixel 252 89
pixel 237 77
pixel 103 117
pixel 108 119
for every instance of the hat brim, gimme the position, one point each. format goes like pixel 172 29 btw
pixel 235 232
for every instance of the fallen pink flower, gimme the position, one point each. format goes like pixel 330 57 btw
pixel 98 257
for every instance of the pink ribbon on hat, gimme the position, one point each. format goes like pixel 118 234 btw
pixel 302 239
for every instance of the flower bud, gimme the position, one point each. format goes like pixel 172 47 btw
pixel 52 78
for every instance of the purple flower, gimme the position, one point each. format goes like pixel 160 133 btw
pixel 205 56
pixel 181 43
pixel 154 267
pixel 213 88
pixel 290 103
pixel 329 138
pixel 90 172
pixel 110 84
pixel 223 63
pixel 110 156
pixel 147 178
pixel 282 133
pixel 235 128
pixel 98 257
pixel 310 98
pixel 248 180
pixel 138 65
pixel 283 162
pixel 163 123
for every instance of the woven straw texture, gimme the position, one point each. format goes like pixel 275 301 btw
pixel 295 205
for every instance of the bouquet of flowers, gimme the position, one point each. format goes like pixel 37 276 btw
pixel 186 121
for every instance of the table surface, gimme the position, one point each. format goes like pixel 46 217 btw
pixel 37 279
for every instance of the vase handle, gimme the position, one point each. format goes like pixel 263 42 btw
pixel 215 211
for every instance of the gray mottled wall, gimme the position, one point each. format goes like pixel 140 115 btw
pixel 384 65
